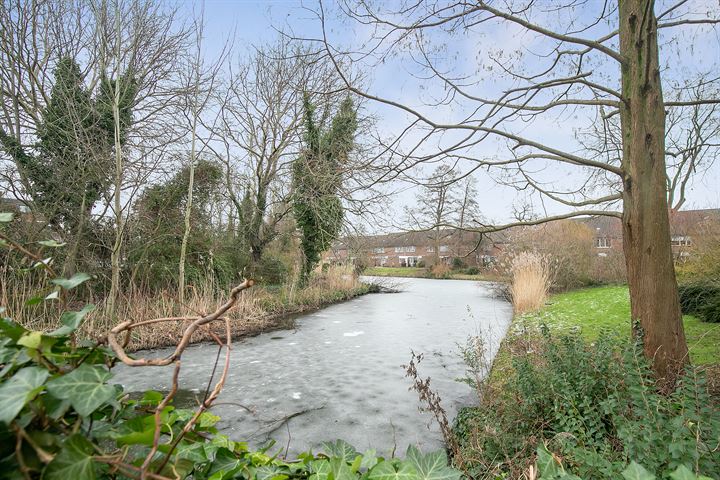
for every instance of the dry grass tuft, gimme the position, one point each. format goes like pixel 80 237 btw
pixel 530 281
pixel 258 310
pixel 440 270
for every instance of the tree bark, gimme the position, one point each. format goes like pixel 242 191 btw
pixel 655 306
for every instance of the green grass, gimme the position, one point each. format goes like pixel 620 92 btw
pixel 608 308
pixel 406 272
pixel 415 272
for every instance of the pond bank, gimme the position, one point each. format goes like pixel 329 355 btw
pixel 259 311
pixel 499 438
pixel 417 272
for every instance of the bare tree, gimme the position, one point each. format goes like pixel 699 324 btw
pixel 437 204
pixel 261 132
pixel 132 40
pixel 589 66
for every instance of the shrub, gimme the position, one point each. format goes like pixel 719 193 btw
pixel 457 263
pixel 272 271
pixel 472 271
pixel 594 406
pixel 530 281
pixel 440 270
pixel 567 246
pixel 701 299
pixel 710 312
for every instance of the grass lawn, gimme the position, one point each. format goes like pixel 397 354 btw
pixel 412 272
pixel 415 272
pixel 599 308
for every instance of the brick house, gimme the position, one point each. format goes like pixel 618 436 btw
pixel 409 249
pixel 686 228
pixel 412 249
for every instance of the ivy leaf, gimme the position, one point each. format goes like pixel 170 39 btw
pixel 684 473
pixel 71 321
pixel 225 464
pixel 74 461
pixel 72 282
pixel 433 466
pixel 340 449
pixel 321 469
pixel 635 471
pixel 53 295
pixel 387 471
pixel 369 459
pixel 269 472
pixel 6 217
pixel 136 431
pixel 6 351
pixel 547 465
pixel 54 407
pixel 31 340
pixel 340 470
pixel 85 387
pixel 11 329
pixel 18 390
pixel 51 243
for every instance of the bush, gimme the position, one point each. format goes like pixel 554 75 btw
pixel 567 246
pixel 457 263
pixel 701 299
pixel 472 271
pixel 710 312
pixel 440 270
pixel 596 407
pixel 272 271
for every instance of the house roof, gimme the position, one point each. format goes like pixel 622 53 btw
pixel 417 239
pixel 681 222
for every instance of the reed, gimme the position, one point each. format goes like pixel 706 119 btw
pixel 530 281
pixel 259 309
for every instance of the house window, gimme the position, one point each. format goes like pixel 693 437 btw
pixel 602 242
pixel 408 261
pixel 405 249
pixel 379 250
pixel 444 248
pixel 430 249
pixel 680 241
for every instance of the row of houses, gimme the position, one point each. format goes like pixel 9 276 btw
pixel 424 248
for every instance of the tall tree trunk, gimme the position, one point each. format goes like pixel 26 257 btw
pixel 646 228
pixel 193 145
pixel 116 253
pixel 70 264
pixel 186 232
pixel 255 237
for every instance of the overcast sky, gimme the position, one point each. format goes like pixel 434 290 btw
pixel 256 22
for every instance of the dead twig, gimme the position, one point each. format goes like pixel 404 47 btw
pixel 197 322
pixel 210 395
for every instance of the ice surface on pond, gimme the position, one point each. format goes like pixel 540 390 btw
pixel 321 383
pixel 353 334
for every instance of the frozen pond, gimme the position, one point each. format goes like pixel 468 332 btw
pixel 341 367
